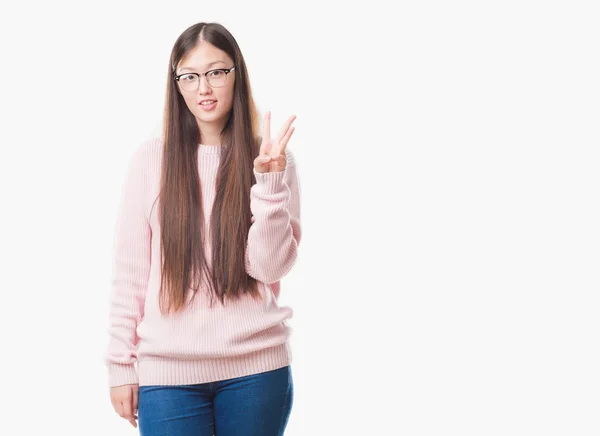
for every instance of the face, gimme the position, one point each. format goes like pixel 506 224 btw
pixel 205 57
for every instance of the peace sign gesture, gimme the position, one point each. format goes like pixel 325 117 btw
pixel 272 153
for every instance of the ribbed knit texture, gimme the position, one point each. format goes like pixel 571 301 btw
pixel 204 343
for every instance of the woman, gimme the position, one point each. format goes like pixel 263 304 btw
pixel 208 225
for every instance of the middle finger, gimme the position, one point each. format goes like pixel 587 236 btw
pixel 285 128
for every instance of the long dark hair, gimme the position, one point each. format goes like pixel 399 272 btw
pixel 180 214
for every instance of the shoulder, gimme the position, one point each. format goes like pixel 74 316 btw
pixel 149 147
pixel 291 176
pixel 147 153
pixel 289 154
pixel 290 157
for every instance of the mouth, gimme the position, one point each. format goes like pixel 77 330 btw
pixel 207 104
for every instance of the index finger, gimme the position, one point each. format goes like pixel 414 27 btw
pixel 266 136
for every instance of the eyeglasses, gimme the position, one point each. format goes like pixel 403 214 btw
pixel 215 78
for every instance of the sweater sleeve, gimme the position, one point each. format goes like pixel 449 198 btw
pixel 275 231
pixel 131 268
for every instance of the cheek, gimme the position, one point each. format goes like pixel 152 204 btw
pixel 226 96
pixel 190 102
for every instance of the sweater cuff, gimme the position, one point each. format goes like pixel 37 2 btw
pixel 270 183
pixel 119 375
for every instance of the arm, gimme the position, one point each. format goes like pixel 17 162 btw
pixel 131 270
pixel 275 231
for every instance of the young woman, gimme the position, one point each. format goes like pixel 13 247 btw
pixel 209 223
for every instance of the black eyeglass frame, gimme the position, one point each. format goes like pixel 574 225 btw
pixel 225 70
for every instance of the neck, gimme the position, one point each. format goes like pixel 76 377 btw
pixel 210 133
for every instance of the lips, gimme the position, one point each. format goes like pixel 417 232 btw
pixel 207 105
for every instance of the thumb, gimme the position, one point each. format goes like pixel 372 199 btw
pixel 261 163
pixel 135 400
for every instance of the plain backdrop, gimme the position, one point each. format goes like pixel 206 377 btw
pixel 447 282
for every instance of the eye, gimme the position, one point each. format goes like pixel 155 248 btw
pixel 216 73
pixel 187 78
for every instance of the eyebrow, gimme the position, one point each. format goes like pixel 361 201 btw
pixel 208 66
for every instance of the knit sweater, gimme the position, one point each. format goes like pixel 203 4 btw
pixel 206 342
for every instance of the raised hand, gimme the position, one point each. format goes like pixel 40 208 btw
pixel 272 152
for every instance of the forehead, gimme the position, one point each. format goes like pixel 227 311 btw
pixel 203 57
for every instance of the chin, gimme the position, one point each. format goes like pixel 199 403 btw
pixel 208 117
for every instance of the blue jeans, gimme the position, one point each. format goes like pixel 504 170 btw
pixel 255 405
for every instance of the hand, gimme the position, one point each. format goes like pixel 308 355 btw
pixel 125 402
pixel 272 153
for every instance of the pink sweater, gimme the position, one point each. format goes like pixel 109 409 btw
pixel 203 343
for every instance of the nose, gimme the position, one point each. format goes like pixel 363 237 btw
pixel 203 87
